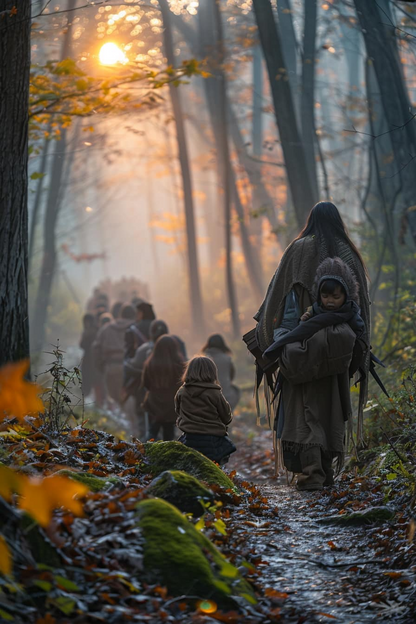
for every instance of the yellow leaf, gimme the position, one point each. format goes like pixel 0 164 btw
pixel 18 397
pixel 5 557
pixel 41 496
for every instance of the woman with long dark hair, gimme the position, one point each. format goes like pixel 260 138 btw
pixel 162 375
pixel 291 292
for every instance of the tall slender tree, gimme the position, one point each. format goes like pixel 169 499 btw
pixel 53 205
pixel 301 188
pixel 193 264
pixel 383 53
pixel 307 107
pixel 223 129
pixel 14 103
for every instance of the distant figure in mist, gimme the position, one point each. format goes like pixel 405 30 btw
pixel 290 293
pixel 109 352
pixel 88 368
pixel 162 378
pixel 138 332
pixel 116 309
pixel 204 414
pixel 133 371
pixel 220 353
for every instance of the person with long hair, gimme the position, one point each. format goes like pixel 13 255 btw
pixel 203 412
pixel 219 352
pixel 162 374
pixel 291 293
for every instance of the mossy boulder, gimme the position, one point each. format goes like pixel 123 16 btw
pixel 182 490
pixel 183 559
pixel 95 484
pixel 367 516
pixel 163 456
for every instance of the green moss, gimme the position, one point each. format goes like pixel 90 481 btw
pixel 183 559
pixel 182 490
pixel 380 460
pixel 368 516
pixel 95 484
pixel 163 456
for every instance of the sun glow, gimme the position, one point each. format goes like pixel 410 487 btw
pixel 110 54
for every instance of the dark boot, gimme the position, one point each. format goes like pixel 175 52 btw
pixel 313 475
pixel 327 467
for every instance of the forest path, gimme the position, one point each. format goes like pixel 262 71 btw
pixel 318 565
pixel 346 574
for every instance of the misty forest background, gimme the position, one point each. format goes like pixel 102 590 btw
pixel 182 164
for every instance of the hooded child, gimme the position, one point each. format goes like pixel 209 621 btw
pixel 203 412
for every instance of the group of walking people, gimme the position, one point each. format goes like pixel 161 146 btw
pixel 133 355
pixel 312 336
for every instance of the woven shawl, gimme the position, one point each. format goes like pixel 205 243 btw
pixel 298 266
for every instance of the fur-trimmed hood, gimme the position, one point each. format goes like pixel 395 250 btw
pixel 335 268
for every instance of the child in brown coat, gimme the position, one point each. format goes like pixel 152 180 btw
pixel 203 412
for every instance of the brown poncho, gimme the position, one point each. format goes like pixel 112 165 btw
pixel 297 268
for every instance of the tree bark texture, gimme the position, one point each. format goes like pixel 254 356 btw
pixel 197 311
pixel 38 196
pixel 290 47
pixel 257 125
pixel 14 103
pixel 307 108
pixel 384 56
pixel 53 205
pixel 293 150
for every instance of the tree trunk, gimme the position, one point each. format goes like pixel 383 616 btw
pixel 293 151
pixel 14 103
pixel 223 129
pixel 383 53
pixel 257 125
pixel 53 205
pixel 251 259
pixel 307 108
pixel 289 45
pixel 38 196
pixel 197 311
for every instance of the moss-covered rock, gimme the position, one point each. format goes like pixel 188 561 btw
pixel 95 484
pixel 163 456
pixel 183 559
pixel 368 516
pixel 182 490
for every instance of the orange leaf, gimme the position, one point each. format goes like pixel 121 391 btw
pixel 41 496
pixel 5 557
pixel 18 397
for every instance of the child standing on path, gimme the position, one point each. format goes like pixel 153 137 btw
pixel 203 412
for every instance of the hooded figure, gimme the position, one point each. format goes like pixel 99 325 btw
pixel 109 352
pixel 203 412
pixel 315 361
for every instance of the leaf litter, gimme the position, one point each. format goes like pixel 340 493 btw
pixel 301 569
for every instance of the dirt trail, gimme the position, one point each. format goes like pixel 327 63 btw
pixel 330 573
pixel 319 565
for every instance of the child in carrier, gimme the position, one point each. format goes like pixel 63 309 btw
pixel 316 361
pixel 203 412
